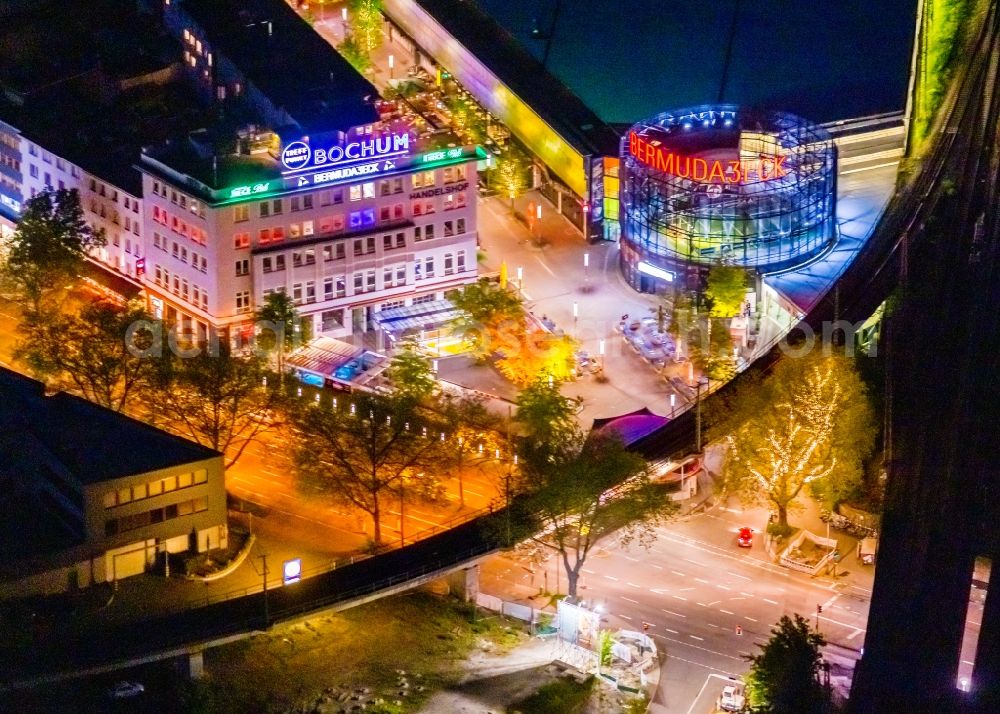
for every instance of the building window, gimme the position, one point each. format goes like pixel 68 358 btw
pixel 424 179
pixel 449 229
pixel 241 213
pixel 243 301
pixel 341 286
pixel 266 265
pixel 279 262
pixel 265 209
pixel 328 288
pixel 297 293
pixel 295 204
pixel 294 230
pixel 242 267
pixel 461 261
pixel 310 291
pixel 241 240
pixel 333 319
pixel 307 228
pixel 424 299
pixel 355 193
pixel 460 226
pixel 449 263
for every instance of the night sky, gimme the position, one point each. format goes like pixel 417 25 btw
pixel 823 59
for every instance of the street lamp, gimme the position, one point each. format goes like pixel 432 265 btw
pixel 673 404
pixel 702 381
pixel 520 277
pixel 538 220
pixel 392 66
pixel 586 271
pixel 576 314
pixel 600 349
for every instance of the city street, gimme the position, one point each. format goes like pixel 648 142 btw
pixel 707 601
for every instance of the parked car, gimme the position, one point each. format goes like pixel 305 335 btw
pixel 126 690
pixel 731 699
pixel 745 537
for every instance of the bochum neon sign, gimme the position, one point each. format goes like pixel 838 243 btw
pixel 301 156
pixel 763 168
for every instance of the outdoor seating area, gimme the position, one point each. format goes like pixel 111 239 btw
pixel 329 362
pixel 643 335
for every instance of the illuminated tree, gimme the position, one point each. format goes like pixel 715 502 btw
pixel 365 24
pixel 510 175
pixel 528 356
pixel 48 248
pixel 471 433
pixel 812 422
pixel 356 56
pixel 710 347
pixel 727 285
pixel 546 416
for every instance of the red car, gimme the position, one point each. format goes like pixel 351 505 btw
pixel 745 538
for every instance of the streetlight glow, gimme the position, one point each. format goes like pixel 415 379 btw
pixel 586 260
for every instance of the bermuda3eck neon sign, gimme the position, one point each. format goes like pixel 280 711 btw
pixel 763 168
pixel 301 156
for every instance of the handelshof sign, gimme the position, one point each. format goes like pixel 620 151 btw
pixel 440 190
pixel 655 155
pixel 303 156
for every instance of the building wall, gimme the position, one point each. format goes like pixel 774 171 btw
pixel 158 506
pixel 540 138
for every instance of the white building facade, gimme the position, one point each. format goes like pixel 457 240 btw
pixel 344 237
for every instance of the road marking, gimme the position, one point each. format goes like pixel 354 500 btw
pixel 696 562
pixel 831 600
pixel 628 599
pixel 677 572
pixel 679 597
pixel 611 577
pixel 746 594
pixel 714 602
pixel 965 661
pixel 703 604
pixel 773 602
pixel 632 584
pixel 737 575
pixel 674 632
pixel 684 590
pixel 726 611
pixel 723 587
pixel 702 580
pixel 658 591
pixel 671 612
pixel 749 618
pixel 588 572
pixel 854 634
pixel 625 617
pixel 868 168
pixel 711 625
pixel 695 637
pixel 658 567
pixel 629 557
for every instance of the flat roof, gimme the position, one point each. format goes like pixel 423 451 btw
pixel 823 60
pixel 94 444
pixel 291 64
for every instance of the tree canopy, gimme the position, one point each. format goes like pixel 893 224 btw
pixel 727 286
pixel 785 678
pixel 583 489
pixel 360 456
pixel 412 375
pixel 546 416
pixel 49 246
pixel 101 352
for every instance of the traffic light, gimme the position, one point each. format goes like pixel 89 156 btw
pixel 739 629
pixel 819 609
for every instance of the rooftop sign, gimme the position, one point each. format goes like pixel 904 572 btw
pixel 301 155
pixel 735 171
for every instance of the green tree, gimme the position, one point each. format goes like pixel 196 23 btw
pixel 813 422
pixel 280 326
pixel 216 398
pixel 489 315
pixel 785 677
pixel 412 375
pixel 49 246
pixel 355 54
pixel 710 347
pixel 580 490
pixel 472 435
pixel 727 289
pixel 546 416
pixel 362 456
pixel 102 352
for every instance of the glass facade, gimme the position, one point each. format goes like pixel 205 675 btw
pixel 747 187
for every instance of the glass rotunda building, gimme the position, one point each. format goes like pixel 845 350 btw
pixel 753 188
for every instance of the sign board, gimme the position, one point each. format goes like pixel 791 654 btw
pixel 302 155
pixel 291 571
pixel 656 272
pixel 735 171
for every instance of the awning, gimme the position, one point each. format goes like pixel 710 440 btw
pixel 425 316
pixel 125 287
pixel 323 356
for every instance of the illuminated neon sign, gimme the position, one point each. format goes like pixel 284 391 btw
pixel 249 190
pixel 441 155
pixel 763 168
pixel 301 156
